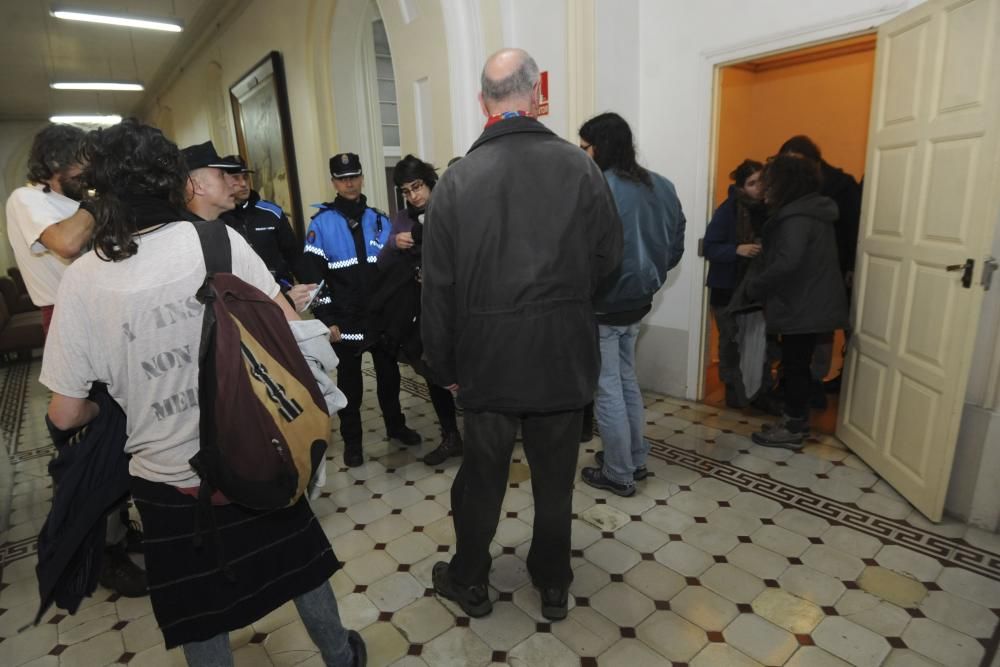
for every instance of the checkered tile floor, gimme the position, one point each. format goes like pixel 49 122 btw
pixel 730 554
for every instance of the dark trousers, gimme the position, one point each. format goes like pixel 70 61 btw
pixel 350 382
pixel 551 444
pixel 444 407
pixel 796 356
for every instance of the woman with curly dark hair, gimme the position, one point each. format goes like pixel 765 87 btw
pixel 128 317
pixel 401 256
pixel 799 283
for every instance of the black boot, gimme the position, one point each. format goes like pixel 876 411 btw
pixel 120 574
pixel 451 445
pixel 353 456
pixel 817 395
pixel 734 399
pixel 405 435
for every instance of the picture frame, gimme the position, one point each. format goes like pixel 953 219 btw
pixel 264 136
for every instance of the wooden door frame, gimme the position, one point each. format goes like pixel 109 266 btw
pixel 708 132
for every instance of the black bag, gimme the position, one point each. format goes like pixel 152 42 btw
pixel 264 423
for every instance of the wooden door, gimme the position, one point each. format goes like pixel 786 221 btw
pixel 931 200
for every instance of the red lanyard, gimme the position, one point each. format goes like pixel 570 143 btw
pixel 496 118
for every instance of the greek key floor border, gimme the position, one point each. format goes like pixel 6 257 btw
pixel 948 551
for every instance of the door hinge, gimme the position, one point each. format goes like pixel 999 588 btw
pixel 990 266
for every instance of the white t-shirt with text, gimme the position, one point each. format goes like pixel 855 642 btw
pixel 136 325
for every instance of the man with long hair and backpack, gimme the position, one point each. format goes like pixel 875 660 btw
pixel 129 317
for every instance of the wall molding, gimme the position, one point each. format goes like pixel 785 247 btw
pixel 466 54
pixel 581 68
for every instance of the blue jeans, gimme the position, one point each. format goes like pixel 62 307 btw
pixel 619 408
pixel 319 613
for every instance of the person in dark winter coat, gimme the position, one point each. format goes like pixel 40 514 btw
pixel 653 230
pixel 841 187
pixel 520 233
pixel 342 247
pixel 402 255
pixel 263 224
pixel 799 283
pixel 731 241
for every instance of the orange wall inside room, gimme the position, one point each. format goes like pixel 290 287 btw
pixel 824 92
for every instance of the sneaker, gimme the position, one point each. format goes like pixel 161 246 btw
pixel 555 601
pixel 595 477
pixel 133 538
pixel 405 435
pixel 474 600
pixel 120 574
pixel 789 434
pixel 641 473
pixel 353 456
pixel 357 645
pixel 451 445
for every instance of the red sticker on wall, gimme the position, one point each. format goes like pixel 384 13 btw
pixel 543 95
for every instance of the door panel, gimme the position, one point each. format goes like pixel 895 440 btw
pixel 930 201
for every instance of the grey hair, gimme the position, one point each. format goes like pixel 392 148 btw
pixel 518 83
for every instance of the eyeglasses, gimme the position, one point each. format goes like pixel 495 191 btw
pixel 584 147
pixel 412 190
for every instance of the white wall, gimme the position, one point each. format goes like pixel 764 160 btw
pixel 617 55
pixel 540 29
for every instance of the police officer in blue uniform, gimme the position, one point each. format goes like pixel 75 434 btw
pixel 263 224
pixel 342 246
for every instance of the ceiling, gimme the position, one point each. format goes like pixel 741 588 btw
pixel 37 49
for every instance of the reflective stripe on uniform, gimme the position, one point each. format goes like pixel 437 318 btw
pixel 315 250
pixel 343 264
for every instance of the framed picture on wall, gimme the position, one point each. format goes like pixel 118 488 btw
pixel 264 135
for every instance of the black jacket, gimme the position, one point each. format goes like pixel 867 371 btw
pixel 90 475
pixel 518 235
pixel 798 277
pixel 841 187
pixel 266 228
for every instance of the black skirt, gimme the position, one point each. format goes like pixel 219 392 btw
pixel 245 564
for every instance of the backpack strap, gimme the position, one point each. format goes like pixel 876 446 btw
pixel 215 246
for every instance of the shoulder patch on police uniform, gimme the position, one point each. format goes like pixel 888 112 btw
pixel 311 236
pixel 270 207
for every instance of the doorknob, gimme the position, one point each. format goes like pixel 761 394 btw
pixel 989 266
pixel 966 270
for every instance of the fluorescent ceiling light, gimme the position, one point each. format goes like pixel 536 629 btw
pixel 68 85
pixel 92 119
pixel 126 20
